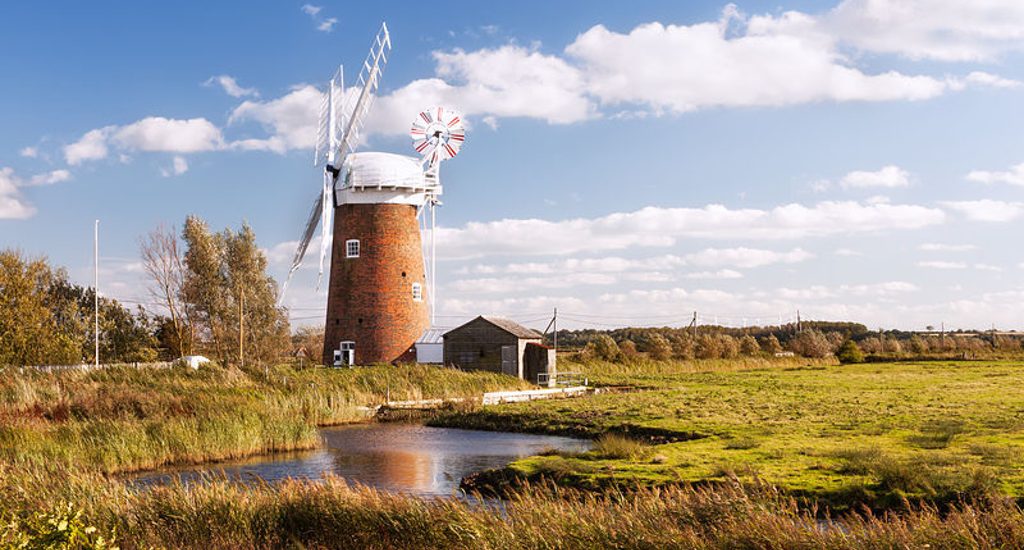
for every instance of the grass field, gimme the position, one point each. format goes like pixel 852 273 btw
pixel 842 435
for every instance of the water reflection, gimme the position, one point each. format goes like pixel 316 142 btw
pixel 402 458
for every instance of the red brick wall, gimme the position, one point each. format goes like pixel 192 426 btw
pixel 369 300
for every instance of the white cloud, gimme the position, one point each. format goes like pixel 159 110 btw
pixel 151 134
pixel 159 134
pixel 327 25
pixel 938 264
pixel 745 257
pixel 987 210
pixel 13 205
pixel 847 252
pixel 517 284
pixel 946 30
pixel 888 176
pixel 324 24
pixel 230 86
pixel 49 178
pixel 660 227
pixel 510 81
pixel 879 289
pixel 720 274
pixel 940 247
pixel 91 146
pixel 178 167
pixel 987 267
pixel 991 80
pixel 291 120
pixel 29 152
pixel 770 62
pixel 1013 176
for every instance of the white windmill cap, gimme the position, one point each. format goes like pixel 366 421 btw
pixel 374 169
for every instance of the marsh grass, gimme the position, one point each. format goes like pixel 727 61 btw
pixel 123 418
pixel 611 445
pixel 332 514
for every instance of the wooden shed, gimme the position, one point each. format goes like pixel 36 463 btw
pixel 499 345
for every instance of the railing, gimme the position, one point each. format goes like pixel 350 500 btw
pixel 563 379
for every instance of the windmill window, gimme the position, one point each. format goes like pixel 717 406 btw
pixel 417 292
pixel 352 248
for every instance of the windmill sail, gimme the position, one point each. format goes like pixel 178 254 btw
pixel 337 135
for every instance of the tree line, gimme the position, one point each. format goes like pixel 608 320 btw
pixel 212 292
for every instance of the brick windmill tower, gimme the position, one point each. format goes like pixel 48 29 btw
pixel 380 296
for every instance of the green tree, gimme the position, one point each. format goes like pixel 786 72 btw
pixel 659 348
pixel 34 316
pixel 235 302
pixel 810 343
pixel 770 344
pixel 849 352
pixel 602 346
pixel 708 347
pixel 748 345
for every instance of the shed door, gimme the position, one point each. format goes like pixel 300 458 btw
pixel 508 361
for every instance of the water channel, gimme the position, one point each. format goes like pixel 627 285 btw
pixel 403 458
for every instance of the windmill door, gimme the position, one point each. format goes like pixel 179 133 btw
pixel 509 364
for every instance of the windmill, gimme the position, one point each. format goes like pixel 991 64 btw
pixel 378 290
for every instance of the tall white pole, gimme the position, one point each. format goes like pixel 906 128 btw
pixel 96 288
pixel 433 266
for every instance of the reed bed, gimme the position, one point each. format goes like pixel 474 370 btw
pixel 331 514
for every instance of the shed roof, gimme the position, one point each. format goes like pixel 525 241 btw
pixel 509 326
pixel 432 335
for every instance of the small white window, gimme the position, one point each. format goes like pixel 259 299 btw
pixel 417 292
pixel 352 248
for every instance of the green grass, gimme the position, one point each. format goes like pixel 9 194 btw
pixel 121 419
pixel 840 435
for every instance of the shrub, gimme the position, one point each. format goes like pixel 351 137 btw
pixel 810 343
pixel 849 352
pixel 770 344
pixel 659 348
pixel 748 345
pixel 621 447
pixel 603 347
pixel 708 347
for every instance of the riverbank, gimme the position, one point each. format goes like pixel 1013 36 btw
pixel 124 419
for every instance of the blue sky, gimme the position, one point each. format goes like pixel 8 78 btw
pixel 628 163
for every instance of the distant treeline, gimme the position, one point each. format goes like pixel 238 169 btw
pixel 850 341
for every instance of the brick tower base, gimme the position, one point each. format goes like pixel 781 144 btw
pixel 370 299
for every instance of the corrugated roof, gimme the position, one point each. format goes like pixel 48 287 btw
pixel 432 335
pixel 512 327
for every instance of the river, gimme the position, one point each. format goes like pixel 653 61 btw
pixel 402 458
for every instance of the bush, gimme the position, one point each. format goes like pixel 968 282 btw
pixel 770 344
pixel 602 347
pixel 748 345
pixel 810 343
pixel 849 352
pixel 659 348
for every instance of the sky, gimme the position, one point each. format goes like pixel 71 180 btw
pixel 629 163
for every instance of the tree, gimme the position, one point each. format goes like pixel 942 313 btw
pixel 311 339
pixel 748 345
pixel 659 348
pixel 770 344
pixel 161 258
pixel 603 347
pixel 682 347
pixel 34 316
pixel 628 351
pixel 730 348
pixel 708 347
pixel 810 343
pixel 849 352
pixel 235 302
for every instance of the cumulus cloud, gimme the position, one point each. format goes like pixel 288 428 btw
pixel 745 257
pixel 151 134
pixel 29 152
pixel 944 30
pixel 230 86
pixel 91 146
pixel 888 176
pixel 940 247
pixel 13 205
pixel 1013 176
pixel 178 167
pixel 290 120
pixel 660 227
pixel 720 274
pixel 991 80
pixel 987 210
pixel 939 264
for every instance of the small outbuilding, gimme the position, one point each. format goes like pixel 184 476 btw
pixel 430 346
pixel 500 345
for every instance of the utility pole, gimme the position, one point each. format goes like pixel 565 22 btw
pixel 96 289
pixel 241 340
pixel 554 326
pixel 798 326
pixel 693 325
